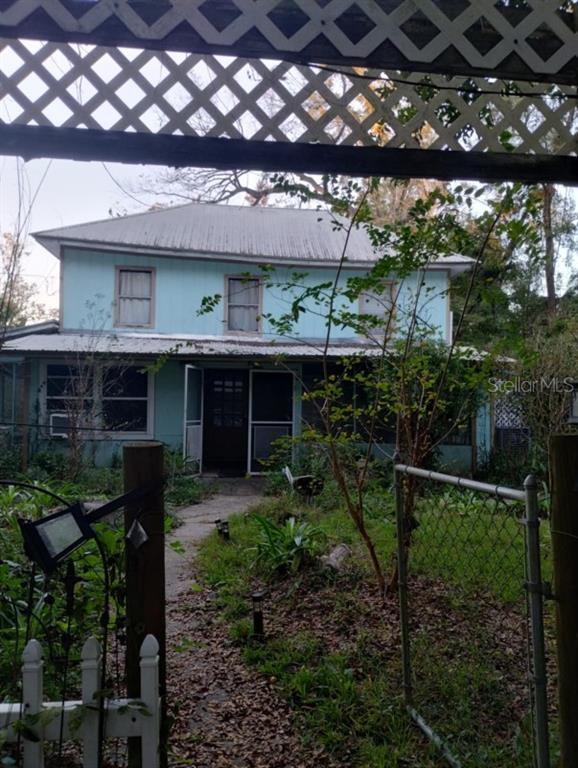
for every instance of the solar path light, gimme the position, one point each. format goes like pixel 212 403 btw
pixel 258 625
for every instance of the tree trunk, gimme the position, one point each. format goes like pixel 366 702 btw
pixel 372 555
pixel 549 255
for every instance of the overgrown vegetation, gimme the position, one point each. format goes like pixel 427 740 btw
pixel 33 605
pixel 333 649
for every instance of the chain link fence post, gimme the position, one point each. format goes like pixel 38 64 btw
pixel 535 589
pixel 402 584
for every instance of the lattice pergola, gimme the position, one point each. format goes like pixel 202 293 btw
pixel 434 88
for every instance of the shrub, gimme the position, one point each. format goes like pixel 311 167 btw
pixel 286 548
pixel 183 490
pixel 51 464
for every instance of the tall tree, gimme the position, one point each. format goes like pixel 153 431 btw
pixel 18 302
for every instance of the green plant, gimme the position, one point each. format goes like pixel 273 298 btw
pixel 183 490
pixel 10 460
pixel 241 631
pixel 51 463
pixel 288 547
pixel 342 676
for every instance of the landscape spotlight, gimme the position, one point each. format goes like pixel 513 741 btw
pixel 53 538
pixel 258 625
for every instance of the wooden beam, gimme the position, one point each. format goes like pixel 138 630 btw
pixel 32 142
pixel 564 527
pixel 481 36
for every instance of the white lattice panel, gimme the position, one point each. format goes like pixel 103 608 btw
pixel 81 86
pixel 539 35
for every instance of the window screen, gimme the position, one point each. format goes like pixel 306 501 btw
pixel 243 304
pixel 99 397
pixel 124 399
pixel 135 297
pixel 70 390
pixel 272 396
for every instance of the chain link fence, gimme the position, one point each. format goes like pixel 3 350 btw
pixel 471 605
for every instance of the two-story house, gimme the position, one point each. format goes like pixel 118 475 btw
pixel 131 290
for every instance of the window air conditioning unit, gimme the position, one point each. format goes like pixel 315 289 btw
pixel 59 425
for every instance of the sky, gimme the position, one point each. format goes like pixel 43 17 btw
pixel 64 192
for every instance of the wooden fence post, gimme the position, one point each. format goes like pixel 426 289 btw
pixel 145 573
pixel 564 526
pixel 32 689
pixel 90 665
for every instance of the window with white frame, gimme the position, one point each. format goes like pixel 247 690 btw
pixel 379 306
pixel 100 397
pixel 134 297
pixel 243 304
pixel 378 302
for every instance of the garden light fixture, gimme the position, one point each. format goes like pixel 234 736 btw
pixel 258 624
pixel 223 529
pixel 51 539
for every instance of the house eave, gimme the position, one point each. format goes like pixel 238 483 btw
pixel 57 245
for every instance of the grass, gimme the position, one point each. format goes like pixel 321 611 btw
pixel 344 703
pixel 343 679
pixel 227 566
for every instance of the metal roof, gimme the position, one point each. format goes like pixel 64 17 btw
pixel 182 346
pixel 188 346
pixel 45 326
pixel 232 233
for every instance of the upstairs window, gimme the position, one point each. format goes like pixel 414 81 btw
pixel 243 305
pixel 134 297
pixel 379 306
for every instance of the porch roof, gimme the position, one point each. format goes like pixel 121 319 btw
pixel 184 346
pixel 189 346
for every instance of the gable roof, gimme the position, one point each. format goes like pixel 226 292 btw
pixel 230 233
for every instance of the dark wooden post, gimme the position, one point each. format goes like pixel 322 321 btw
pixel 564 522
pixel 145 572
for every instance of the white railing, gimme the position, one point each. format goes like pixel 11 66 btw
pixel 79 720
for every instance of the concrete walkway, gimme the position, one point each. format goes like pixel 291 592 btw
pixel 233 496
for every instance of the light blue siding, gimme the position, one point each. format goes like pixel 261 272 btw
pixel 169 392
pixel 88 294
pixel 87 302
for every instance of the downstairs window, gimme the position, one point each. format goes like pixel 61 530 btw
pixel 97 398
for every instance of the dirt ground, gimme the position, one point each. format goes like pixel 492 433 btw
pixel 225 716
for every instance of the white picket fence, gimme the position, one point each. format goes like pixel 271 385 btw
pixel 123 718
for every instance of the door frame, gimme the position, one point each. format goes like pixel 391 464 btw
pixel 253 371
pixel 191 367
